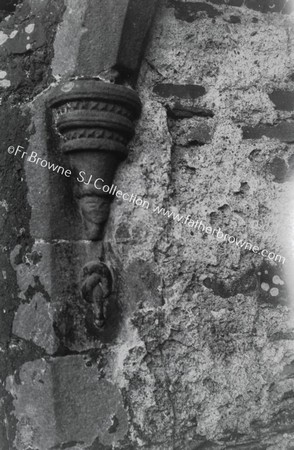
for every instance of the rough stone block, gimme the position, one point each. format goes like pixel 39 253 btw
pixel 8 5
pixel 283 131
pixel 235 19
pixel 283 100
pixel 61 402
pixel 34 322
pixel 284 6
pixel 114 37
pixel 228 2
pixel 235 2
pixel 178 112
pixel 28 38
pixel 189 11
pixel 278 168
pixel 200 135
pixel 189 91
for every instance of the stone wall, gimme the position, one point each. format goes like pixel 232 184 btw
pixel 199 353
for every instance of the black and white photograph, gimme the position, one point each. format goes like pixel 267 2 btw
pixel 146 224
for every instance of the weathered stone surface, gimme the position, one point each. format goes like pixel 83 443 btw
pixel 228 2
pixel 62 402
pixel 15 222
pixel 283 100
pixel 284 6
pixel 34 322
pixel 208 347
pixel 189 11
pixel 193 131
pixel 27 37
pixel 113 37
pixel 7 7
pixel 265 7
pixel 188 91
pixel 200 135
pixel 283 131
pixel 179 111
pixel 68 35
pixel 200 353
pixel 272 285
pixel 235 19
pixel 246 283
pixel 278 168
pixel 142 286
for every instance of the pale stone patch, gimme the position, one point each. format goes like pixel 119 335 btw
pixel 4 204
pixel 3 38
pixel 274 292
pixel 265 287
pixel 30 28
pixel 13 34
pixel 5 83
pixel 278 280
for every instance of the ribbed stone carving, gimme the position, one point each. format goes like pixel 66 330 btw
pixel 96 122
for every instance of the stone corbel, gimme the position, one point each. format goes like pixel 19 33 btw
pixel 96 122
pixel 94 112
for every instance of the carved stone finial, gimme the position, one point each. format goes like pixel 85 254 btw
pixel 96 287
pixel 94 113
pixel 96 122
